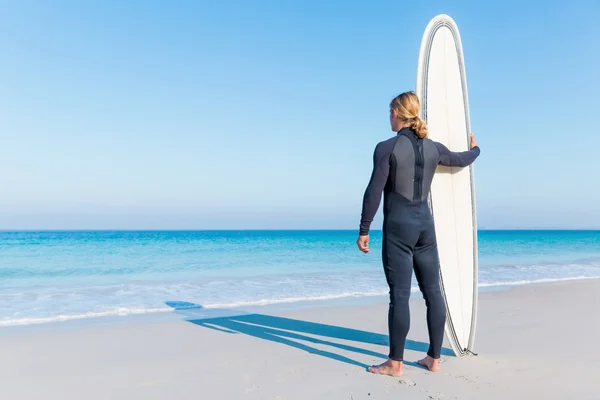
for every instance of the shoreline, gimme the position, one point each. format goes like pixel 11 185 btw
pixel 168 313
pixel 55 278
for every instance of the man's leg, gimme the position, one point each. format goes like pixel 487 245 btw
pixel 427 272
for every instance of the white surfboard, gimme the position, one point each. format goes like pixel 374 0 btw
pixel 442 90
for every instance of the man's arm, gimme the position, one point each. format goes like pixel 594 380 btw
pixel 456 159
pixel 372 196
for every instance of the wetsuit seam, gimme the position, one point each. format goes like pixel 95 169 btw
pixel 393 155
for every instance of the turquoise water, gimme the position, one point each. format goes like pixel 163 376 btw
pixel 53 276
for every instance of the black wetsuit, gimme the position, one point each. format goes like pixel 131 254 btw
pixel 403 169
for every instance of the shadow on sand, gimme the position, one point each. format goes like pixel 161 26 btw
pixel 288 331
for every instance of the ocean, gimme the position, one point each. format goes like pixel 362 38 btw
pixel 57 276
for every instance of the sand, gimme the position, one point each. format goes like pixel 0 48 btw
pixel 533 342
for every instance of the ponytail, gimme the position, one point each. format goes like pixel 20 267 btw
pixel 420 127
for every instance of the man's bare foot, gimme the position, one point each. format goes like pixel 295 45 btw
pixel 431 364
pixel 390 367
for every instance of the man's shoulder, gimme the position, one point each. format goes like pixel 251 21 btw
pixel 387 144
pixel 432 143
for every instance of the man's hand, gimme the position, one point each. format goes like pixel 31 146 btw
pixel 363 243
pixel 473 142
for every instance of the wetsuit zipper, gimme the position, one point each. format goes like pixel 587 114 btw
pixel 419 165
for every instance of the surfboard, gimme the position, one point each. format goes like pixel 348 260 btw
pixel 442 90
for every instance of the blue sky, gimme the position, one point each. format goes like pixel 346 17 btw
pixel 208 115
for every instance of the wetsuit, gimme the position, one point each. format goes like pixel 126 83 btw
pixel 403 168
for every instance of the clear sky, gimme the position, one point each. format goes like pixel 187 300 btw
pixel 264 114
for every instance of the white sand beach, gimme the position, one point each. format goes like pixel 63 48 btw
pixel 533 342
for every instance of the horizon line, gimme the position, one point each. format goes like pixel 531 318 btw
pixel 261 229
